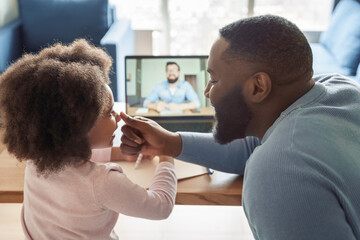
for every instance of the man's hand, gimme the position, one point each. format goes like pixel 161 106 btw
pixel 142 135
pixel 174 107
pixel 160 106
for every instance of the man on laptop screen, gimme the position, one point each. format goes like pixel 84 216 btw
pixel 172 95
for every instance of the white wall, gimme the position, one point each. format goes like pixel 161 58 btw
pixel 9 11
pixel 131 69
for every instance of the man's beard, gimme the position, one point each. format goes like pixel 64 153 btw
pixel 233 116
pixel 173 80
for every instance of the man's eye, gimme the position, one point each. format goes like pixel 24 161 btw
pixel 213 82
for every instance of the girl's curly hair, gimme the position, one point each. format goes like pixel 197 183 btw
pixel 50 101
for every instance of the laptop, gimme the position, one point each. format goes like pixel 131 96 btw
pixel 149 81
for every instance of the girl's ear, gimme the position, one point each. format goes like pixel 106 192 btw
pixel 258 87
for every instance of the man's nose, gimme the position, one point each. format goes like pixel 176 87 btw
pixel 207 90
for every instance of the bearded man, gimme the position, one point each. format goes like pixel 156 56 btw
pixel 173 94
pixel 294 136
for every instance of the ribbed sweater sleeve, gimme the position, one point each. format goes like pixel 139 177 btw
pixel 202 149
pixel 116 192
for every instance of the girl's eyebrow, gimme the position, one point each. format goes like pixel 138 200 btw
pixel 111 109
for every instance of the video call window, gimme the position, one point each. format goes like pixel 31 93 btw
pixel 167 86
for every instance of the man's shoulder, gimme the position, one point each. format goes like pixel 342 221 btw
pixel 341 99
pixel 331 106
pixel 336 80
pixel 182 82
pixel 315 133
pixel 161 85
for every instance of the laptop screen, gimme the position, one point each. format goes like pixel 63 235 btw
pixel 167 86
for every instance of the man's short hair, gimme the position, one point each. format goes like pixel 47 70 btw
pixel 50 101
pixel 172 63
pixel 275 45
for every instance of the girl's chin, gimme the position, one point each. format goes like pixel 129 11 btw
pixel 104 144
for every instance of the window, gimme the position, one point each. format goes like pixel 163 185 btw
pixel 144 14
pixel 189 27
pixel 308 15
pixel 195 24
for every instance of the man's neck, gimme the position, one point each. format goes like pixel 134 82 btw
pixel 173 85
pixel 266 114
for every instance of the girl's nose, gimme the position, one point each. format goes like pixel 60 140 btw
pixel 117 117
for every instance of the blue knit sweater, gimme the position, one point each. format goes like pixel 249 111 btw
pixel 302 180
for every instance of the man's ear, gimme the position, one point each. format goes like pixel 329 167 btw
pixel 258 87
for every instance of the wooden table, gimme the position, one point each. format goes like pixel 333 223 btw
pixel 202 112
pixel 217 189
pixel 202 120
pixel 11 178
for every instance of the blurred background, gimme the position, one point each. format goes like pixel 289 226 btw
pixel 189 27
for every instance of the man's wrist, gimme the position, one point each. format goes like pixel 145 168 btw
pixel 164 158
pixel 174 145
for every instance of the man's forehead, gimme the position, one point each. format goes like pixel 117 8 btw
pixel 221 60
pixel 219 46
pixel 216 53
pixel 172 66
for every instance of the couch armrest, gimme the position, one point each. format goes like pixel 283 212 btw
pixel 119 42
pixel 10 43
pixel 312 36
pixel 357 77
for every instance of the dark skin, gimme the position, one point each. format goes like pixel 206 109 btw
pixel 265 99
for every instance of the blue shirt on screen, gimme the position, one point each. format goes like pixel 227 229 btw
pixel 184 91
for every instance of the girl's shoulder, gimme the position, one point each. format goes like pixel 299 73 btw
pixel 103 169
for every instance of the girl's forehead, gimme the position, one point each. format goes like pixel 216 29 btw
pixel 109 92
pixel 110 98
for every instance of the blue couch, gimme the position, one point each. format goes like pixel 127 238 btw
pixel 338 50
pixel 43 23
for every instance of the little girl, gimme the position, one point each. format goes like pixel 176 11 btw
pixel 56 106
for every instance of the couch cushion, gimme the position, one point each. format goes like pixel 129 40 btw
pixel 10 44
pixel 342 38
pixel 324 61
pixel 46 22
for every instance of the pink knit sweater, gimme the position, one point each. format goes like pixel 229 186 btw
pixel 84 202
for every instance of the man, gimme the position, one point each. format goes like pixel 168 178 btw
pixel 298 136
pixel 172 94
